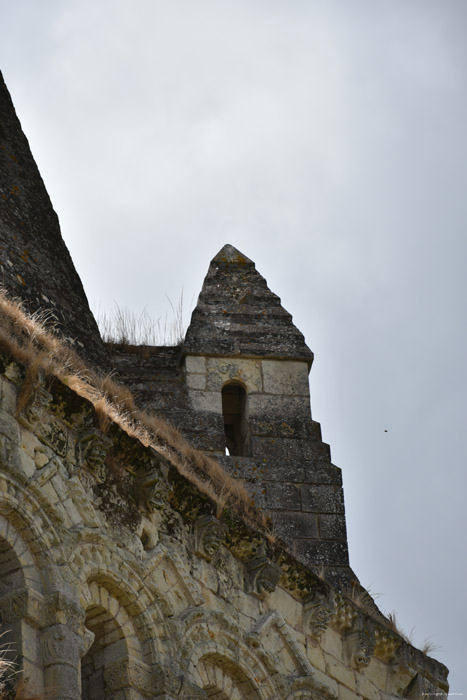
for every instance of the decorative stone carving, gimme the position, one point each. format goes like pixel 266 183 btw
pixel 154 491
pixel 92 451
pixel 275 619
pixel 261 575
pixel 32 414
pixel 209 533
pixel 344 616
pixel 318 612
pixel 58 645
pixel 361 644
pixel 386 644
pixel 64 611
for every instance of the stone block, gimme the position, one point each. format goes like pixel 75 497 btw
pixel 342 674
pixel 332 527
pixel 196 381
pixel 33 678
pixel 285 377
pixel 316 553
pixel 377 673
pixel 295 526
pixel 366 688
pixel 282 449
pixel 283 496
pixel 258 493
pixel 347 694
pixel 290 428
pixel 196 364
pixel 29 442
pixel 205 401
pixel 9 426
pixel 322 499
pixel 267 407
pixel 292 470
pixel 322 474
pixel 315 655
pixel 27 464
pixel 291 610
pixel 331 643
pixel 329 684
pixel 8 393
pixel 221 371
pixel 72 512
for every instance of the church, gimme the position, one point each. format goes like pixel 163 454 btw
pixel 171 524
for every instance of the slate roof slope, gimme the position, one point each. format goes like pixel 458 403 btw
pixel 237 314
pixel 35 264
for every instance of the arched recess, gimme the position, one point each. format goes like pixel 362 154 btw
pixel 235 413
pixel 227 668
pixel 114 661
pixel 21 607
pixel 99 564
pixel 222 679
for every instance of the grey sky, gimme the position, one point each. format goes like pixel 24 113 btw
pixel 327 141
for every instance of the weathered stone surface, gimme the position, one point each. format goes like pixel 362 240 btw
pixel 237 314
pixel 34 261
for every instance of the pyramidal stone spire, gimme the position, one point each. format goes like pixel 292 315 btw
pixel 237 314
pixel 35 264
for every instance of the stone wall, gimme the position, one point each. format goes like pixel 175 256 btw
pixel 118 580
pixel 288 467
pixel 35 265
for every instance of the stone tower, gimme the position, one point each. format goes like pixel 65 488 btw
pixel 247 368
pixel 239 389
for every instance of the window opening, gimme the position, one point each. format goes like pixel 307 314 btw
pixel 234 409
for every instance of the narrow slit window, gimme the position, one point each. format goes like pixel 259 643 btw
pixel 234 409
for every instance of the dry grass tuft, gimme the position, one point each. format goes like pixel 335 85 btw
pixel 395 626
pixel 41 351
pixel 428 647
pixel 124 327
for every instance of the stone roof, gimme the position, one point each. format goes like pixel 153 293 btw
pixel 35 264
pixel 237 314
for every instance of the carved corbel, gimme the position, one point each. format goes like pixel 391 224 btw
pixel 32 413
pixel 318 611
pixel 386 645
pixel 361 644
pixel 209 534
pixel 261 574
pixel 92 451
pixel 344 616
pixel 154 492
pixel 59 645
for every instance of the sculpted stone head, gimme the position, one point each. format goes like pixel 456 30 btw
pixel 209 533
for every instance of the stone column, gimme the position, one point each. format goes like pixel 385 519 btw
pixel 62 649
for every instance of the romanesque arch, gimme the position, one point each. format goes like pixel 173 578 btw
pixel 21 605
pixel 114 660
pixel 215 658
pixel 124 627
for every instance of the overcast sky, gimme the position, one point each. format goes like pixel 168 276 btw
pixel 327 141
